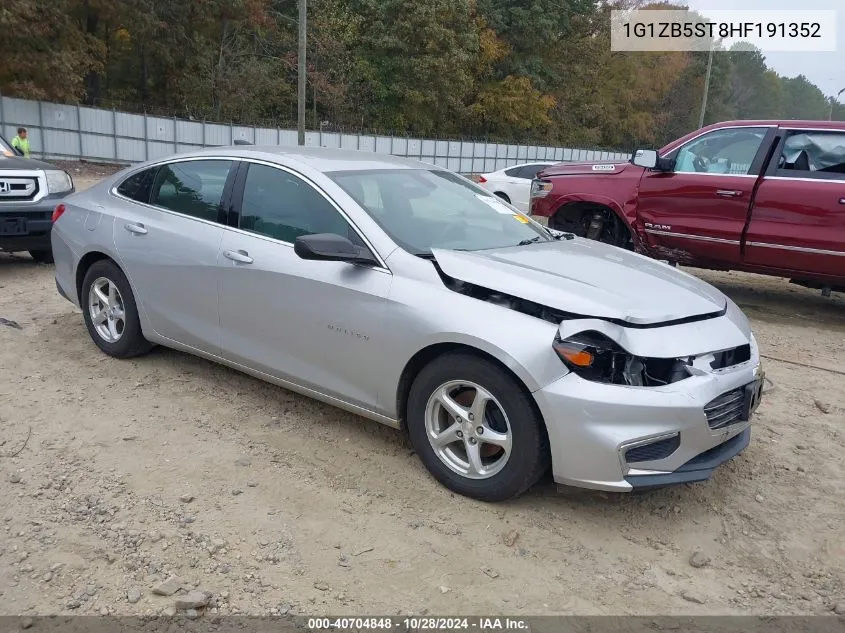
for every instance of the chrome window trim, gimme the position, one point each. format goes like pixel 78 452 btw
pixel 703 238
pixel 114 192
pixel 835 181
pixel 729 127
pixel 704 173
pixel 799 249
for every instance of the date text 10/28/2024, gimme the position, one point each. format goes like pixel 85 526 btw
pixel 426 623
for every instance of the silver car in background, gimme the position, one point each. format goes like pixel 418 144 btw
pixel 407 294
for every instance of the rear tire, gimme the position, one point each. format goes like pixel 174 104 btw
pixel 42 256
pixel 512 449
pixel 110 311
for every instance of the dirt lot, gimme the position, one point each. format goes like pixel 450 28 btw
pixel 167 465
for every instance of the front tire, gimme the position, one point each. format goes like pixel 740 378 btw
pixel 476 429
pixel 42 256
pixel 110 311
pixel 594 222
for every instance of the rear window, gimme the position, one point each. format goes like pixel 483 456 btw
pixel 813 154
pixel 137 187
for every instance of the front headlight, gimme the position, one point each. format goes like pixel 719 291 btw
pixel 540 188
pixel 58 181
pixel 595 357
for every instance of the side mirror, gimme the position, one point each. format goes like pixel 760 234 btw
pixel 331 247
pixel 649 159
pixel 645 158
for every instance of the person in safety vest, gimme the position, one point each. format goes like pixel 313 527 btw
pixel 21 143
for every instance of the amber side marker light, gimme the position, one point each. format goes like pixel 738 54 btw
pixel 574 354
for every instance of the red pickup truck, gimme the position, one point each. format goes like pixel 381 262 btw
pixel 761 196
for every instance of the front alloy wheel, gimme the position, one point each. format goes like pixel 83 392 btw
pixel 476 428
pixel 468 429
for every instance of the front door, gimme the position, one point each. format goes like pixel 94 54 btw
pixel 698 210
pixel 167 236
pixel 798 221
pixel 317 323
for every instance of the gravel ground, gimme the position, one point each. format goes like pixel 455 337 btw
pixel 167 482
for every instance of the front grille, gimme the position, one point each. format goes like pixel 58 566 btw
pixel 725 409
pixel 17 188
pixel 731 357
pixel 656 450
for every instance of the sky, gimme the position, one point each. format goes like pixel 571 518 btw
pixel 826 70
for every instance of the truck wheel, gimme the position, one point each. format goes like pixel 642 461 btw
pixel 594 222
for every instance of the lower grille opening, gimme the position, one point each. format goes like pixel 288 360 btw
pixel 725 409
pixel 655 450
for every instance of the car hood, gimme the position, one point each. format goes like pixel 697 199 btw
pixel 596 168
pixel 587 278
pixel 19 163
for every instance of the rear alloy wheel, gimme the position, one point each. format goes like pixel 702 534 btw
pixel 42 256
pixel 595 223
pixel 110 311
pixel 475 428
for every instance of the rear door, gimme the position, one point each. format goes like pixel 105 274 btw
pixel 167 234
pixel 698 211
pixel 798 220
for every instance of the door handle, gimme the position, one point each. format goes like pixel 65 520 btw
pixel 728 193
pixel 241 257
pixel 137 229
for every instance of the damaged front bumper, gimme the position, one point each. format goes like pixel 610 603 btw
pixel 620 438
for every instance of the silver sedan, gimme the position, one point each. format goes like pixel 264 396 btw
pixel 405 293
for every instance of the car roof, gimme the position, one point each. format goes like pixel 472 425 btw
pixel 323 159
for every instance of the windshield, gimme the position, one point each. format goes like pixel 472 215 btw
pixel 422 210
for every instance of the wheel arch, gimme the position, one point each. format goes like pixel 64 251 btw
pixel 85 263
pixel 598 203
pixel 429 353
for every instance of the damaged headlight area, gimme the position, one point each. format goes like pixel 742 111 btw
pixel 593 356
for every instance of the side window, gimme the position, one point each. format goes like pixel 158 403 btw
pixel 137 187
pixel 280 205
pixel 530 171
pixel 728 151
pixel 193 187
pixel 813 155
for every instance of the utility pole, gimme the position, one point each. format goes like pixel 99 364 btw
pixel 706 86
pixel 832 100
pixel 300 99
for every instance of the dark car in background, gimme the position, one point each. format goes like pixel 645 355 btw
pixel 29 191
